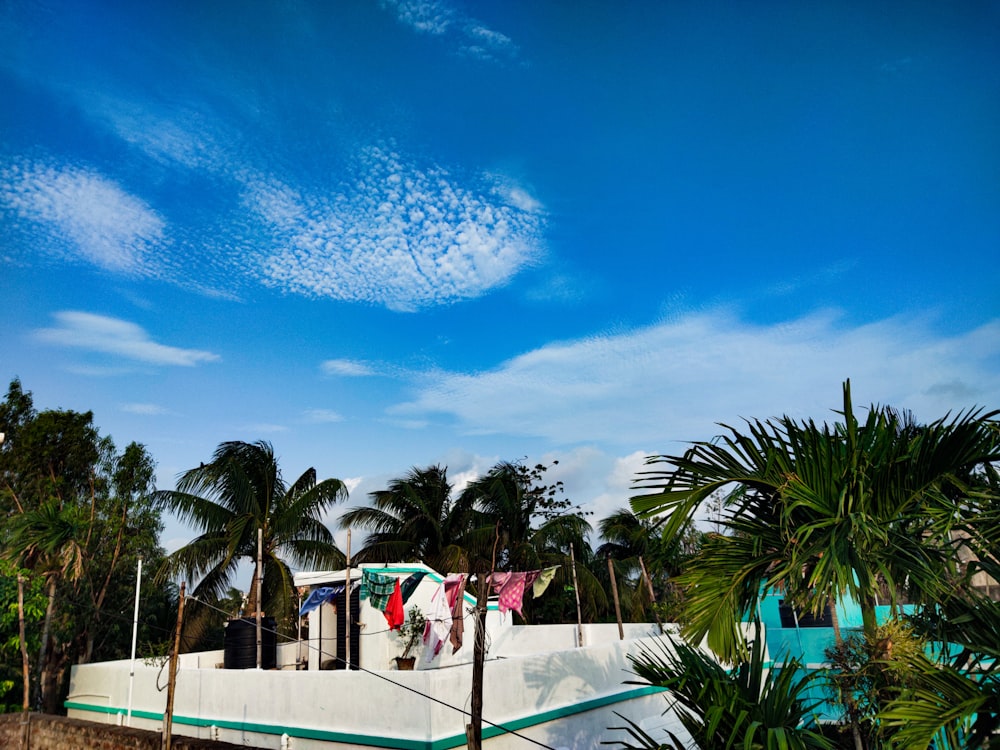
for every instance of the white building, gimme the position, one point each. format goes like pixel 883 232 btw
pixel 541 688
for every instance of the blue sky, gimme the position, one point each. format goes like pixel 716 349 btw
pixel 401 232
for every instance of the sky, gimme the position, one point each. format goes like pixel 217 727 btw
pixel 386 234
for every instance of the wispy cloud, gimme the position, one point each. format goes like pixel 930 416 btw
pixel 84 214
pixel 674 381
pixel 144 410
pixel 322 416
pixel 404 237
pixel 98 333
pixel 440 18
pixel 347 367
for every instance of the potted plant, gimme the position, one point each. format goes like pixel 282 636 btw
pixel 410 633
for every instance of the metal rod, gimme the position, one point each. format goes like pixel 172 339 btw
pixel 135 633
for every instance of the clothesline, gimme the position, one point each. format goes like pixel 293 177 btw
pixel 446 620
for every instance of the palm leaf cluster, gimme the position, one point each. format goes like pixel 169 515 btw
pixel 819 511
pixel 747 706
pixel 240 491
pixel 501 521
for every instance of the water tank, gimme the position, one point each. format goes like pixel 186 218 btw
pixel 240 644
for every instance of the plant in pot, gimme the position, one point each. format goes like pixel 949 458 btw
pixel 409 634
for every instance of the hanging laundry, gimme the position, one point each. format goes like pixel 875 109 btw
pixel 320 596
pixel 438 623
pixel 542 582
pixel 444 621
pixel 456 596
pixel 394 608
pixel 410 585
pixel 376 588
pixel 510 589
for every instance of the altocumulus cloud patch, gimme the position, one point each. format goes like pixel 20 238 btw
pixel 84 215
pixel 400 236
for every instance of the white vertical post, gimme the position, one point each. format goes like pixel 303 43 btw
pixel 347 604
pixel 135 632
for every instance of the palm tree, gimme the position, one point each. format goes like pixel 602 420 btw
pixel 633 542
pixel 746 706
pixel 240 491
pixel 47 540
pixel 820 511
pixel 514 516
pixel 415 518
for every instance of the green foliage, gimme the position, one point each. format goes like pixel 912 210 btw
pixel 77 513
pixel 240 491
pixel 867 671
pixel 821 511
pixel 748 706
pixel 412 630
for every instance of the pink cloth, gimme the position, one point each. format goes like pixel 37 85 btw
pixel 510 588
pixel 445 620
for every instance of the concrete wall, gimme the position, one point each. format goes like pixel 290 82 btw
pixel 45 732
pixel 564 699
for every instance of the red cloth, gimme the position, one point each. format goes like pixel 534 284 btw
pixel 394 609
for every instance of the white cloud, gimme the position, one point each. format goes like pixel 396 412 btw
pixel 323 416
pixel 670 383
pixel 104 225
pixel 442 19
pixel 146 410
pixel 267 428
pixel 347 368
pixel 425 16
pixel 403 237
pixel 99 333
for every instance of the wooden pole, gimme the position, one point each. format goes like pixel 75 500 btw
pixel 260 574
pixel 474 730
pixel 26 670
pixel 614 593
pixel 168 715
pixel 576 592
pixel 347 604
pixel 652 594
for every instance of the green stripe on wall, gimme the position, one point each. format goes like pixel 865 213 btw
pixel 445 743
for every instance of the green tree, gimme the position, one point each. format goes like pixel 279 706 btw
pixel 820 511
pixel 414 518
pixel 722 708
pixel 240 491
pixel 633 542
pixel 77 512
pixel 521 523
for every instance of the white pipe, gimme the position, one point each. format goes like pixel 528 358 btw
pixel 135 631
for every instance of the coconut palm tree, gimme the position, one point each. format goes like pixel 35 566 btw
pixel 240 491
pixel 820 511
pixel 47 541
pixel 514 516
pixel 415 518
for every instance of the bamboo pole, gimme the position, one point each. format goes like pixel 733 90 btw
pixel 652 594
pixel 25 668
pixel 614 593
pixel 576 592
pixel 168 715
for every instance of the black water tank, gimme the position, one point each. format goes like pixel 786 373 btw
pixel 240 644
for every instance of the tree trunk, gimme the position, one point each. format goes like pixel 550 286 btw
pixel 25 667
pixel 43 651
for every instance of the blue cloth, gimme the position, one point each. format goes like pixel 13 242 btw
pixel 318 597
